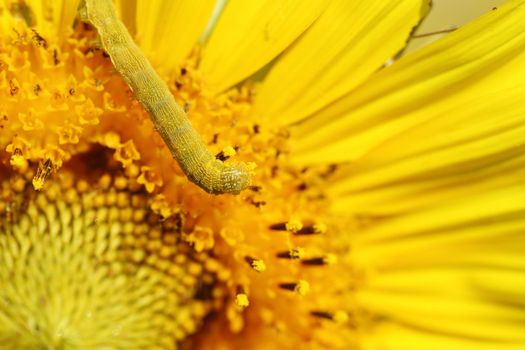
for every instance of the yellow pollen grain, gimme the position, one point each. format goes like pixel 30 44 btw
pixel 320 228
pixel 229 151
pixel 18 162
pixel 294 225
pixel 330 259
pixel 258 265
pixel 297 253
pixel 241 300
pixel 340 317
pixel 302 288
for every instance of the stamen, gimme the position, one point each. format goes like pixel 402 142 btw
pixel 301 287
pixel 241 298
pixel 328 259
pixel 42 174
pixel 256 264
pixel 18 161
pixel 338 316
pixel 295 226
pixel 281 226
pixel 312 230
pixel 293 254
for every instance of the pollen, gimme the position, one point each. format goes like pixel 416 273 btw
pixel 294 225
pixel 241 300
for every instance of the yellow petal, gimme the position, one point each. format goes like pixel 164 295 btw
pixel 481 62
pixel 127 10
pixel 456 316
pixel 478 215
pixel 249 34
pixel 168 30
pixel 350 41
pixel 53 18
pixel 468 281
pixel 453 274
pixel 392 336
pixel 474 147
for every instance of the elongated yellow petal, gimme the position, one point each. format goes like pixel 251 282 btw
pixel 350 41
pixel 250 34
pixel 484 212
pixel 127 10
pixel 457 316
pixel 467 281
pixel 168 30
pixel 428 188
pixel 431 92
pixel 392 336
pixel 53 18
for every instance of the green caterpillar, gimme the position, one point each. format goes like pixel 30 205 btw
pixel 183 141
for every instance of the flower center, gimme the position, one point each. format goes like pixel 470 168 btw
pixel 91 266
pixel 99 256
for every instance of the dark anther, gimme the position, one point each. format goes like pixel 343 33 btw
pixel 338 316
pixel 307 230
pixel 255 188
pixel 315 261
pixel 72 91
pixel 183 71
pixel 292 254
pixel 255 203
pixel 221 156
pixel 303 186
pixel 256 128
pixel 330 171
pixel 278 227
pixel 56 61
pixel 13 89
pixel 37 89
pixel 38 40
pixel 288 286
pixel 275 170
pixel 322 314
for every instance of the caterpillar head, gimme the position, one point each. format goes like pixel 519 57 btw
pixel 235 177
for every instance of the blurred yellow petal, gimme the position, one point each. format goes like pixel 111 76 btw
pixel 461 317
pixel 402 337
pixel 249 34
pixel 484 212
pixel 351 40
pixel 53 18
pixel 439 85
pixel 454 270
pixel 470 148
pixel 127 10
pixel 183 21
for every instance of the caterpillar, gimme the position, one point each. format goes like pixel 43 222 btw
pixel 185 144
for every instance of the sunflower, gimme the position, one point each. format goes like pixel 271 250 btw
pixel 385 212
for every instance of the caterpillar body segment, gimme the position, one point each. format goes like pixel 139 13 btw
pixel 183 141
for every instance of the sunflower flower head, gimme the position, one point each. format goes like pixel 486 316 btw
pixel 106 244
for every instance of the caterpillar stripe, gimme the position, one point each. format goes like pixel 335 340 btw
pixel 183 141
